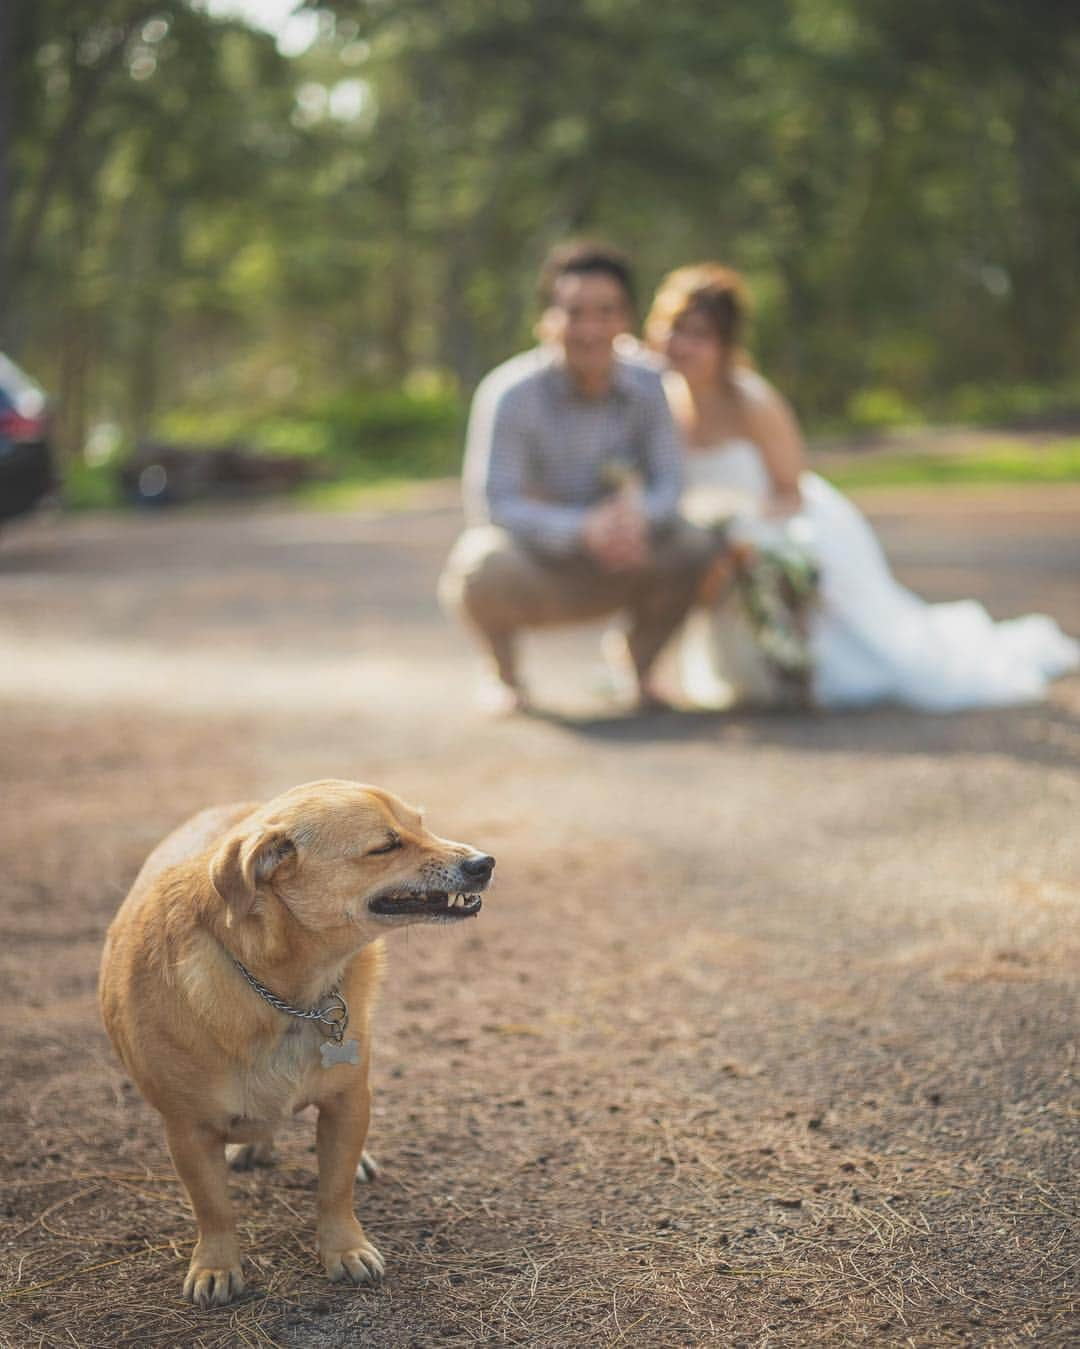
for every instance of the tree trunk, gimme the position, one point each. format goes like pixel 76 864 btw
pixel 71 419
pixel 397 290
pixel 1044 288
pixel 87 83
pixel 457 336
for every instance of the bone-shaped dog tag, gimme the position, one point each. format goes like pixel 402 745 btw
pixel 332 1053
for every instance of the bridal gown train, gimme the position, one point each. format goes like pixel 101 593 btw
pixel 871 640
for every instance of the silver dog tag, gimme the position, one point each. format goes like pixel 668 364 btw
pixel 332 1053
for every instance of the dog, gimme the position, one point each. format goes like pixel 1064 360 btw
pixel 237 986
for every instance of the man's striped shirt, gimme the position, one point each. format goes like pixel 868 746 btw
pixel 539 454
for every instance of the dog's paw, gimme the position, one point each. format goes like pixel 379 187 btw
pixel 368 1168
pixel 245 1156
pixel 359 1264
pixel 208 1286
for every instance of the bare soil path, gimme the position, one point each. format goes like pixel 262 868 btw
pixel 767 1035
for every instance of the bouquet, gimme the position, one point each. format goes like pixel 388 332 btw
pixel 777 581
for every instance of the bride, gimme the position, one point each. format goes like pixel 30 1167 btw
pixel 817 608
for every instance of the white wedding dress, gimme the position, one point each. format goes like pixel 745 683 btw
pixel 871 640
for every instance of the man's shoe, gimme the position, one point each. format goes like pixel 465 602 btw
pixel 495 699
pixel 620 667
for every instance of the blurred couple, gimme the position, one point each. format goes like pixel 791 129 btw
pixel 665 481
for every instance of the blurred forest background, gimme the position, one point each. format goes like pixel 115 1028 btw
pixel 318 245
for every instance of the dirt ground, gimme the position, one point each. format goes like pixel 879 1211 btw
pixel 766 1035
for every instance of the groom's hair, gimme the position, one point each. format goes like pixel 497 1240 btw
pixel 584 256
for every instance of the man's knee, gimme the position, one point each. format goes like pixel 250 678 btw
pixel 683 548
pixel 482 575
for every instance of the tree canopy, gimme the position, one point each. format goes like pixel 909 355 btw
pixel 190 218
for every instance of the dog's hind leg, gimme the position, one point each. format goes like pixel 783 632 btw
pixel 198 1153
pixel 245 1156
pixel 367 1168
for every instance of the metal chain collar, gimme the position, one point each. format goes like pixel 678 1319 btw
pixel 335 1014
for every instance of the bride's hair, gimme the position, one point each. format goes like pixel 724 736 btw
pixel 718 293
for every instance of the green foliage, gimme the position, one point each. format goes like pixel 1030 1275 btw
pixel 375 423
pixel 880 409
pixel 362 433
pixel 90 486
pixel 199 222
pixel 996 403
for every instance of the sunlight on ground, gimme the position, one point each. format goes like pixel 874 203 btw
pixel 100 674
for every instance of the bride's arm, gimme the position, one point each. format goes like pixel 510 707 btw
pixel 772 427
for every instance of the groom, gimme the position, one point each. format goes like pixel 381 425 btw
pixel 572 479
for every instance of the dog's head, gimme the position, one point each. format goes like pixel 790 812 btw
pixel 343 855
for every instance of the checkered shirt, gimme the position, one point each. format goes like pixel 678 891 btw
pixel 539 454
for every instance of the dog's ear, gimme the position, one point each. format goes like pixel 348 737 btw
pixel 245 862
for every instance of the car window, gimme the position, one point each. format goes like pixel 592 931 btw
pixel 19 391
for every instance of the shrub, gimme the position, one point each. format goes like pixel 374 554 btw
pixel 879 409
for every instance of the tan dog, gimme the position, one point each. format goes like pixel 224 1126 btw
pixel 283 901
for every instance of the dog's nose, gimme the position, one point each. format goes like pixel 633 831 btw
pixel 478 868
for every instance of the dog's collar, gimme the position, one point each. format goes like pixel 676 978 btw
pixel 335 1015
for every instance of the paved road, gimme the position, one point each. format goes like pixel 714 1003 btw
pixel 766 1035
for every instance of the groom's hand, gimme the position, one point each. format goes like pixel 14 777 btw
pixel 616 535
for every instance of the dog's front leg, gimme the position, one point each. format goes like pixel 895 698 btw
pixel 214 1276
pixel 343 1124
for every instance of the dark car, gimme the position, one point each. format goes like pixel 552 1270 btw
pixel 26 471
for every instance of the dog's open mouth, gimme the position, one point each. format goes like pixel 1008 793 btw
pixel 429 904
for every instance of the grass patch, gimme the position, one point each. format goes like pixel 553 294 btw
pixel 389 493
pixel 90 487
pixel 1009 463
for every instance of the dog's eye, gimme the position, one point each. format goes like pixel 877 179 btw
pixel 389 846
